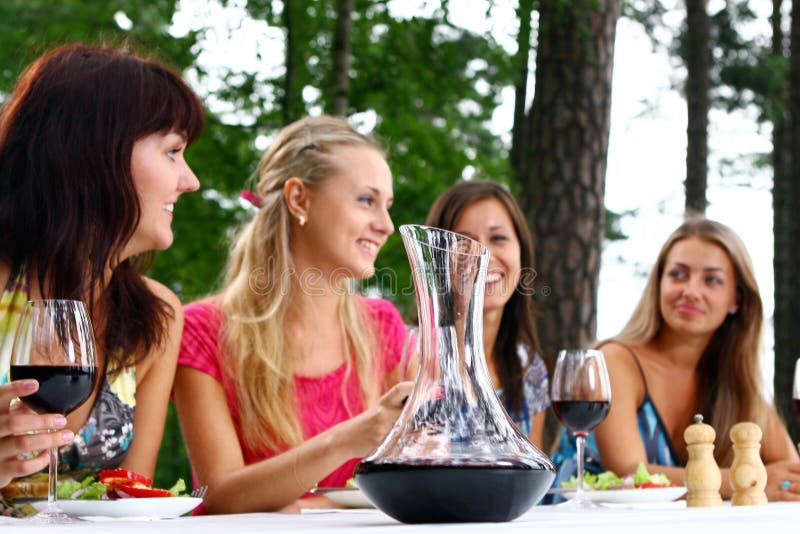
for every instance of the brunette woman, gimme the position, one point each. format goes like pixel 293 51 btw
pixel 487 212
pixel 91 167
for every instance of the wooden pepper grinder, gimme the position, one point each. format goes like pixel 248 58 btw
pixel 703 478
pixel 748 474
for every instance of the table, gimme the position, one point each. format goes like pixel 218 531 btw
pixel 675 519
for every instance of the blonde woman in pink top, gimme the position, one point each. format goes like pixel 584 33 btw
pixel 285 377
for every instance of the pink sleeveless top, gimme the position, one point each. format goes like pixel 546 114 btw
pixel 323 401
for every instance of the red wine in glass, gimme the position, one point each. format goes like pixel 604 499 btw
pixel 581 417
pixel 581 394
pixel 54 345
pixel 62 388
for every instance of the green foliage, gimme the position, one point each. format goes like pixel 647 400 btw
pixel 744 71
pixel 613 229
pixel 648 13
pixel 29 27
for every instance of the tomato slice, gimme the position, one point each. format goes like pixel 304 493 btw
pixel 108 476
pixel 653 485
pixel 136 490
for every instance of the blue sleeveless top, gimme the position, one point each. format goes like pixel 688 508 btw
pixel 657 443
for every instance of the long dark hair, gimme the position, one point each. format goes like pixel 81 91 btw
pixel 518 324
pixel 68 204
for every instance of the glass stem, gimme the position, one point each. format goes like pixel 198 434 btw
pixel 52 479
pixel 580 443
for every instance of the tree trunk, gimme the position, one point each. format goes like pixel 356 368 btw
pixel 341 57
pixel 785 203
pixel 698 58
pixel 292 97
pixel 519 137
pixel 567 150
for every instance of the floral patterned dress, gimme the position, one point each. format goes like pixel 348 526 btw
pixel 535 391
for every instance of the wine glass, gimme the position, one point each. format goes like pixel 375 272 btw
pixel 796 388
pixel 796 392
pixel 581 395
pixel 54 345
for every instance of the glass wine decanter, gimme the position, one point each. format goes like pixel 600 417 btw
pixel 454 455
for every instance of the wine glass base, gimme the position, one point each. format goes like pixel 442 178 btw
pixel 52 516
pixel 579 504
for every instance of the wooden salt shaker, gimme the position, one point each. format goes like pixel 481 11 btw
pixel 703 478
pixel 748 474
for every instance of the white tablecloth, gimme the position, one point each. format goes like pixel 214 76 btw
pixel 779 518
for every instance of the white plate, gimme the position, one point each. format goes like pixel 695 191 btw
pixel 349 497
pixel 160 507
pixel 632 495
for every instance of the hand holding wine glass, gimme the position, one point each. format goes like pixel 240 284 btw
pixel 581 395
pixel 18 419
pixel 54 345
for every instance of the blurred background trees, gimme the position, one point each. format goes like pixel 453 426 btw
pixel 429 89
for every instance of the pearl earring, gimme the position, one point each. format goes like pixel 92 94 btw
pixel 301 220
pixel 732 311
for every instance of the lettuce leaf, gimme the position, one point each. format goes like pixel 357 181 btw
pixel 66 488
pixel 178 489
pixel 642 476
pixel 610 480
pixel 606 479
pixel 88 488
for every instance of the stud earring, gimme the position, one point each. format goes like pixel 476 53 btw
pixel 732 311
pixel 301 220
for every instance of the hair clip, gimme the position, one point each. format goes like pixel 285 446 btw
pixel 251 197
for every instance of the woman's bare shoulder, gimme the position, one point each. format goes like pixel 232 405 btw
pixel 622 366
pixel 164 293
pixel 618 354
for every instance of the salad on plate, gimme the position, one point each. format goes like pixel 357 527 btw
pixel 118 493
pixel 609 480
pixel 638 487
pixel 117 484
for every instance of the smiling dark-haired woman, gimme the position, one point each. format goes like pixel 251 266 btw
pixel 486 211
pixel 91 167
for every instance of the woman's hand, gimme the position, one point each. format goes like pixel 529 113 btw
pixel 778 473
pixel 16 423
pixel 369 428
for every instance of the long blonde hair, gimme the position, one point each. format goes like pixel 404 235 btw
pixel 258 289
pixel 730 373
